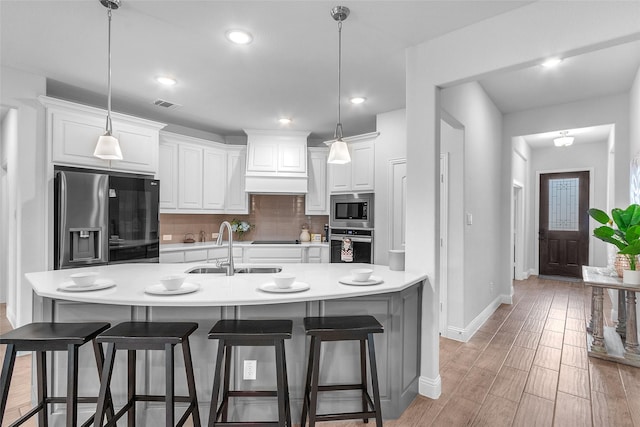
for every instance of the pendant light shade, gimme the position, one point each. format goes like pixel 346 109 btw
pixel 563 140
pixel 339 152
pixel 108 147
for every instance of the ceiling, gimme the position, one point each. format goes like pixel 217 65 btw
pixel 290 68
pixel 588 135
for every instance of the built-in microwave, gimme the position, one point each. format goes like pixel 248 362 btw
pixel 353 210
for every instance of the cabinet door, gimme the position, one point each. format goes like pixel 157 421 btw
pixel 74 137
pixel 362 166
pixel 317 199
pixel 139 148
pixel 340 178
pixel 237 200
pixel 215 179
pixel 262 157
pixel 292 157
pixel 168 174
pixel 190 177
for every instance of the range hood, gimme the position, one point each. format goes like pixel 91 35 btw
pixel 276 162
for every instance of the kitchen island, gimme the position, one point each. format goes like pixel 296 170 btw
pixel 396 303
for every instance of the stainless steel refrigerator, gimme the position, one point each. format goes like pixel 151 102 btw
pixel 105 218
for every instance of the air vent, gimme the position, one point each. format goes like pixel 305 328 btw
pixel 166 104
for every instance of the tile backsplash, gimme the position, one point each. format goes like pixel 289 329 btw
pixel 274 217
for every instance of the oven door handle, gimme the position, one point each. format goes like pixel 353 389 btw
pixel 353 238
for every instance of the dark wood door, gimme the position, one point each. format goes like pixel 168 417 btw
pixel 564 223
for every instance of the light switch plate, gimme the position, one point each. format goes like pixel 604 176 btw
pixel 250 369
pixel 166 237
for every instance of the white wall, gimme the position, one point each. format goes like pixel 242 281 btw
pixel 471 106
pixel 516 39
pixel 634 117
pixel 596 111
pixel 592 157
pixel 27 178
pixel 390 145
pixel 521 175
pixel 8 150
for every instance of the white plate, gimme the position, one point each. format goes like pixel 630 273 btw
pixel 159 289
pixel 348 280
pixel 272 287
pixel 95 286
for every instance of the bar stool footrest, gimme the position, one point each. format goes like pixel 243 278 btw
pixel 345 416
pixel 250 393
pixel 341 387
pixel 248 423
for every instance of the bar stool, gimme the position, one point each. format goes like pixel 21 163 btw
pixel 132 336
pixel 43 337
pixel 341 328
pixel 231 333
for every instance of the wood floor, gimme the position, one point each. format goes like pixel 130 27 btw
pixel 526 366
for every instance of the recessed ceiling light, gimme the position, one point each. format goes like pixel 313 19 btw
pixel 285 120
pixel 239 36
pixel 357 100
pixel 167 81
pixel 552 62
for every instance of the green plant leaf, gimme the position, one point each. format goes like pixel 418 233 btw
pixel 632 249
pixel 607 234
pixel 599 215
pixel 632 234
pixel 618 217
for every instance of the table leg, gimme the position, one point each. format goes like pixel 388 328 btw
pixel 593 304
pixel 621 329
pixel 597 321
pixel 631 350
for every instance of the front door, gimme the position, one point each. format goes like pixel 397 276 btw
pixel 564 223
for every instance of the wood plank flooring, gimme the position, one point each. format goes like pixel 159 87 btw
pixel 526 366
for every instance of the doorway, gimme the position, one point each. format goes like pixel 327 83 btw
pixel 563 231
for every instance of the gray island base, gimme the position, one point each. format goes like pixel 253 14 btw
pixel 396 303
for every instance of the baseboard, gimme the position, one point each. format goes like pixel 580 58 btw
pixel 465 334
pixel 430 387
pixel 11 317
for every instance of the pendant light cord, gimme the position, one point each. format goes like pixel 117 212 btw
pixel 109 128
pixel 338 132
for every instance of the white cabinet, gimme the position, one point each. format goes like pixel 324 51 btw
pixel 317 198
pixel 266 255
pixel 358 175
pixel 73 130
pixel 193 175
pixel 317 254
pixel 237 200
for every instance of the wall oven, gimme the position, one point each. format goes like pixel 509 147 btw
pixel 349 245
pixel 103 218
pixel 354 211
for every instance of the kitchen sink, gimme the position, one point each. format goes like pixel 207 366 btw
pixel 206 269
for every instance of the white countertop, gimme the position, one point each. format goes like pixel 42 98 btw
pixel 177 247
pixel 216 289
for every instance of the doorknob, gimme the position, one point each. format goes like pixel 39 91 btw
pixel 542 234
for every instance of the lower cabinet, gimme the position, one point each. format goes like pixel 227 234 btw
pixel 265 255
pixel 251 254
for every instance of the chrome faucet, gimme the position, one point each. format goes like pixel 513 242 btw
pixel 229 262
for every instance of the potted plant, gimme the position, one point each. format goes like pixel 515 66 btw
pixel 240 227
pixel 626 237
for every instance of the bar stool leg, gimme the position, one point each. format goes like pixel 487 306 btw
pixel 313 404
pixel 227 380
pixel 374 380
pixel 286 382
pixel 279 348
pixel 99 355
pixel 41 373
pixel 191 385
pixel 131 387
pixel 216 384
pixel 363 377
pixel 169 384
pixel 105 379
pixel 5 378
pixel 72 385
pixel 307 384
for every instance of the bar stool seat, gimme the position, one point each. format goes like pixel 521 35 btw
pixel 230 333
pixel 341 328
pixel 43 337
pixel 132 336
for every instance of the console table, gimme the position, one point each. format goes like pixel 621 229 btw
pixel 615 344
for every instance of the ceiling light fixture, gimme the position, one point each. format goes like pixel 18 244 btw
pixel 108 147
pixel 167 81
pixel 563 140
pixel 357 100
pixel 285 121
pixel 339 152
pixel 239 36
pixel 552 62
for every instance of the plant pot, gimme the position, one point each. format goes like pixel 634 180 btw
pixel 621 263
pixel 631 277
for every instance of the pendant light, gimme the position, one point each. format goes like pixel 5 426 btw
pixel 339 152
pixel 108 147
pixel 563 140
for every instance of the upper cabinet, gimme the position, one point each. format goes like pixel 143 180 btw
pixel 359 174
pixel 276 161
pixel 237 200
pixel 317 199
pixel 73 130
pixel 193 175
